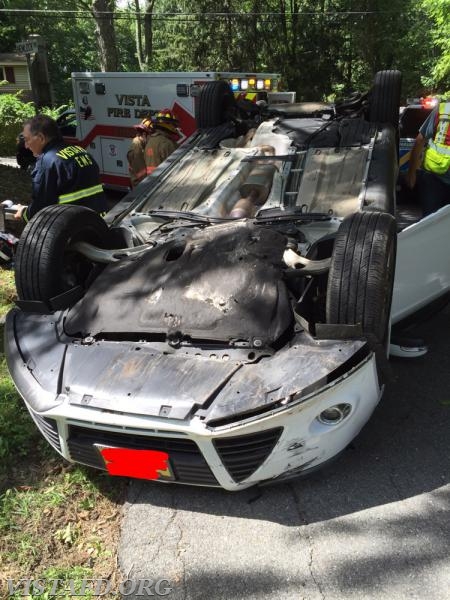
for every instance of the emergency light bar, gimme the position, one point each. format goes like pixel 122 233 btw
pixel 252 83
pixel 429 102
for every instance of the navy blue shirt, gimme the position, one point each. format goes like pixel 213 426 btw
pixel 65 175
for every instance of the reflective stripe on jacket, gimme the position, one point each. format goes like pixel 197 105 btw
pixel 65 174
pixel 86 193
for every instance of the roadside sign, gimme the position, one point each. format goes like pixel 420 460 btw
pixel 27 47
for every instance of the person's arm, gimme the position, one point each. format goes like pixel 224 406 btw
pixel 19 214
pixel 44 190
pixel 415 160
pixel 426 132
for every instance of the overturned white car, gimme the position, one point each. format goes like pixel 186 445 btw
pixel 228 324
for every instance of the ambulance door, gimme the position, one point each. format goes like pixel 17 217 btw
pixel 86 110
pixel 114 161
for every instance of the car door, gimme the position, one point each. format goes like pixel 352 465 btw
pixel 423 264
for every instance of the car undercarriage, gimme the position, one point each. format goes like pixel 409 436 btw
pixel 230 320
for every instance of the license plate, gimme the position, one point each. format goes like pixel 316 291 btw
pixel 140 464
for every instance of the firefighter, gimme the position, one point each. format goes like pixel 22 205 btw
pixel 135 155
pixel 161 143
pixel 63 174
pixel 433 181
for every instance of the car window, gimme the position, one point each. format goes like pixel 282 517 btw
pixel 411 119
pixel 67 123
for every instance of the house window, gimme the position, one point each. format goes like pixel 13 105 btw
pixel 7 73
pixel 10 75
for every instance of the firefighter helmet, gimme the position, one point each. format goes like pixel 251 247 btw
pixel 167 120
pixel 146 125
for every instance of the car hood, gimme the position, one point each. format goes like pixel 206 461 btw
pixel 157 380
pixel 221 283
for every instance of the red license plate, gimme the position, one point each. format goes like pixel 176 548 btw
pixel 140 464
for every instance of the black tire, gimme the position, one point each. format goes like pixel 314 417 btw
pixel 361 276
pixel 214 104
pixel 45 266
pixel 385 97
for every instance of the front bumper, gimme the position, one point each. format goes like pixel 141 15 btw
pixel 287 438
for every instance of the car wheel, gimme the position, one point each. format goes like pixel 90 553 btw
pixel 385 97
pixel 214 104
pixel 45 265
pixel 361 276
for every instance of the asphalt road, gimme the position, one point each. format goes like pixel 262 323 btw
pixel 373 525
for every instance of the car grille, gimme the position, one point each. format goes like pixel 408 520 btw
pixel 186 460
pixel 48 428
pixel 243 454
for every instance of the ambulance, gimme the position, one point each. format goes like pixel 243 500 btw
pixel 107 105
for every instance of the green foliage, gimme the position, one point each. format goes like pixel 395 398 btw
pixel 71 41
pixel 322 48
pixel 13 112
pixel 438 78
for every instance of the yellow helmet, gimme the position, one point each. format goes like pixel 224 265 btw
pixel 145 125
pixel 166 119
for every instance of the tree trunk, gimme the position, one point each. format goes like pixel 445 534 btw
pixel 103 13
pixel 139 43
pixel 144 34
pixel 148 32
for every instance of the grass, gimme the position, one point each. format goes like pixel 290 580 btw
pixel 57 520
pixel 54 516
pixel 7 291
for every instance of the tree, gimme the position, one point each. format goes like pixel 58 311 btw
pixel 103 13
pixel 323 48
pixel 68 39
pixel 144 33
pixel 439 13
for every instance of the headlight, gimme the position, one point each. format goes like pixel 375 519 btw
pixel 334 414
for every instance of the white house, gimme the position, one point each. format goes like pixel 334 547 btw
pixel 14 71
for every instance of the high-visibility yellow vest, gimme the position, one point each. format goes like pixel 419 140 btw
pixel 437 154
